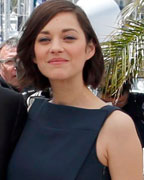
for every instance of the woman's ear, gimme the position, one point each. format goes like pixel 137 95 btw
pixel 90 50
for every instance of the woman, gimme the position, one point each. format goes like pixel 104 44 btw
pixel 75 135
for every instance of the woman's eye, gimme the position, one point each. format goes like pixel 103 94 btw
pixel 69 38
pixel 44 39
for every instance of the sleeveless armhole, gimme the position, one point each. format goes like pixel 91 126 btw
pixel 91 160
pixel 109 110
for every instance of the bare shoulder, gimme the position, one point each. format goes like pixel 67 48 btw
pixel 121 147
pixel 119 122
pixel 116 129
pixel 120 129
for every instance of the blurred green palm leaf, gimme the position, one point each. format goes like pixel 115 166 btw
pixel 124 52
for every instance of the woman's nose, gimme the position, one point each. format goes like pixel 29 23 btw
pixel 56 46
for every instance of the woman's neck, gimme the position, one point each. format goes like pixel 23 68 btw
pixel 74 94
pixel 67 93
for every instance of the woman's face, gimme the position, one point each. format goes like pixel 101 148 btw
pixel 61 49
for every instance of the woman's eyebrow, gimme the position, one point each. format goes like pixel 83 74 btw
pixel 64 30
pixel 69 29
pixel 45 32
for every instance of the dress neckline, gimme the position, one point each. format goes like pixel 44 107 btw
pixel 75 107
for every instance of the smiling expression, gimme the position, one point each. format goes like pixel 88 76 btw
pixel 61 49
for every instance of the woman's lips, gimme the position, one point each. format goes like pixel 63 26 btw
pixel 57 61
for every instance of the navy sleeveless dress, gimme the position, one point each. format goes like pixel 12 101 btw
pixel 59 143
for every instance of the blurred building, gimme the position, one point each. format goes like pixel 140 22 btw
pixel 13 14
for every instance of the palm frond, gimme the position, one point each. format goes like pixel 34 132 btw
pixel 123 55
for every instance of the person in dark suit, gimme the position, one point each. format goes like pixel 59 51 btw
pixel 8 70
pixel 13 114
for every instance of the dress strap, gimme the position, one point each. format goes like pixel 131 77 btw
pixel 110 108
pixel 106 111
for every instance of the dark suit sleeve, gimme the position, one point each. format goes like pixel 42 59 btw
pixel 13 116
pixel 21 117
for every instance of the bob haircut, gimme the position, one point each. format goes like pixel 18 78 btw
pixel 28 71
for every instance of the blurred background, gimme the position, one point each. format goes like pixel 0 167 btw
pixel 14 13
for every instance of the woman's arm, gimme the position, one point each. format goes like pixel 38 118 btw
pixel 124 151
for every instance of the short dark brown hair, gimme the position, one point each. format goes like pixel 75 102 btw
pixel 28 71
